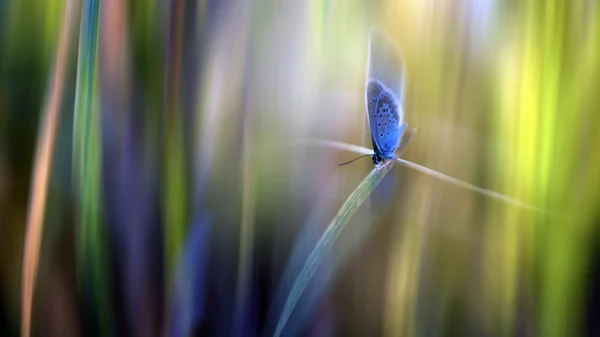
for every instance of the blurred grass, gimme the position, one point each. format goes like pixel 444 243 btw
pixel 541 112
pixel 504 94
pixel 41 169
pixel 87 167
pixel 176 189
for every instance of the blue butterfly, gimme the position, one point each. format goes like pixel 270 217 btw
pixel 383 98
pixel 385 120
pixel 383 94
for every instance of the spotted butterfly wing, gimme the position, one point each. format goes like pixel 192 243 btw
pixel 384 89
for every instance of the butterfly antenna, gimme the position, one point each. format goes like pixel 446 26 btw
pixel 355 159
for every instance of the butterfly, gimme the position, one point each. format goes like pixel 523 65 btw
pixel 384 90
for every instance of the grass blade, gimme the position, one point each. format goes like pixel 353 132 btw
pixel 87 170
pixel 337 145
pixel 41 171
pixel 429 172
pixel 462 184
pixel 326 241
pixel 175 185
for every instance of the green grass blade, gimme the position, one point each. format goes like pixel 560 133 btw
pixel 87 167
pixel 175 180
pixel 467 186
pixel 428 171
pixel 326 241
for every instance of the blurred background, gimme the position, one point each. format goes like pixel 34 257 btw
pixel 152 157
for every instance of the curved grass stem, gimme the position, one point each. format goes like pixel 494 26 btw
pixel 328 238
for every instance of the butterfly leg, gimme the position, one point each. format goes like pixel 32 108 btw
pixel 383 164
pixel 406 139
pixel 402 128
pixel 387 164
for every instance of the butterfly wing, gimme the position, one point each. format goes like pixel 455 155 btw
pixel 387 124
pixel 373 91
pixel 385 64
